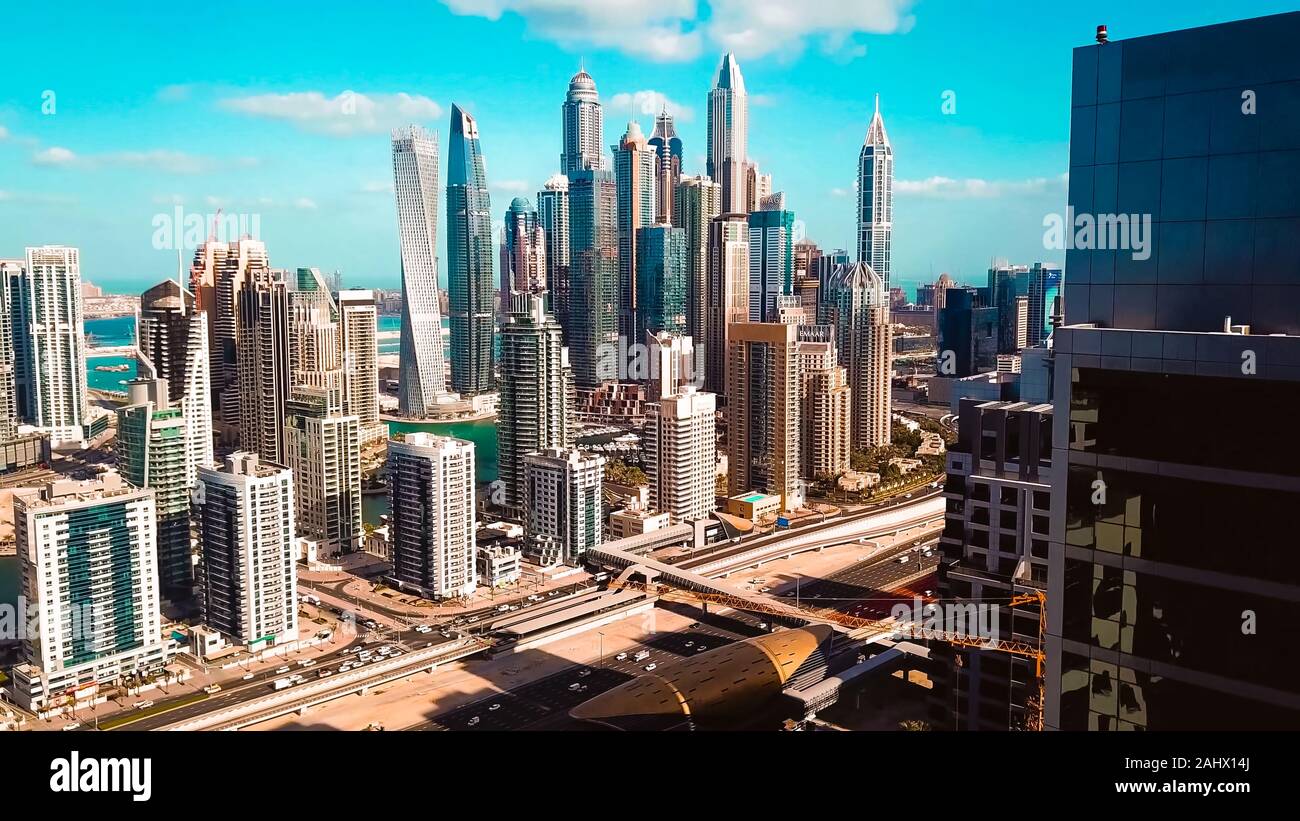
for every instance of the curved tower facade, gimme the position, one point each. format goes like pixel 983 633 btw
pixel 415 185
pixel 469 259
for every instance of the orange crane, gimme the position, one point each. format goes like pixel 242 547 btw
pixel 774 608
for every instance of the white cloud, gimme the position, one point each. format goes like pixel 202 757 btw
pixel 948 188
pixel 656 29
pixel 648 103
pixel 41 198
pixel 511 186
pixel 676 29
pixel 54 155
pixel 174 93
pixel 342 115
pixel 839 192
pixel 377 187
pixel 305 204
pixel 4 133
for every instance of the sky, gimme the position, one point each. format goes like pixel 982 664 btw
pixel 279 113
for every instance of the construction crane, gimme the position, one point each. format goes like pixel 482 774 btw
pixel 890 625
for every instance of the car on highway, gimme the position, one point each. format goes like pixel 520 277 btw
pixel 212 688
pixel 248 677
pixel 423 628
pixel 621 656
pixel 144 705
pixel 584 673
pixel 473 619
pixel 326 673
pixel 765 590
pixel 904 559
pixel 370 623
pixel 762 625
pixel 700 648
pixel 472 721
pixel 503 608
pixel 690 644
pixel 76 725
pixel 343 668
pixel 695 626
pixel 307 663
pixel 495 707
pixel 650 666
pixel 280 670
pixel 575 686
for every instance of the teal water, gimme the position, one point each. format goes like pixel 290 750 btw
pixel 482 433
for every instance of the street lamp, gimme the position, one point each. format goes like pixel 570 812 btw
pixel 602 647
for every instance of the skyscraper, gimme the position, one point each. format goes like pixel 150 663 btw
pixel 1173 541
pixel 469 259
pixel 771 258
pixel 593 276
pixel 54 379
pixel 1044 287
pixel 415 185
pixel 668 146
pixel 535 380
pixel 825 404
pixel 432 520
pixel 523 252
pixel 583 126
pixel 324 450
pixel 661 279
pixel 218 275
pixel 876 197
pixel 806 255
pixel 564 507
pixel 728 129
pixel 553 219
pixel 697 200
pixel 864 339
pixel 360 325
pixel 1007 283
pixel 763 414
pixel 249 564
pixel 758 186
pixel 728 295
pixel 153 452
pixel 12 346
pixel 636 174
pixel 264 365
pixel 968 335
pixel 172 337
pixel 87 559
pixel 681 454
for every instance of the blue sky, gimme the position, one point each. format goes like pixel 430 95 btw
pixel 237 104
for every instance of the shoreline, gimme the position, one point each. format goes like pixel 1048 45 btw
pixel 438 420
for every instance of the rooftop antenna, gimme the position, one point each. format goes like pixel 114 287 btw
pixel 216 219
pixel 1102 36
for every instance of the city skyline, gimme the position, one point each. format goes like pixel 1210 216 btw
pixel 263 147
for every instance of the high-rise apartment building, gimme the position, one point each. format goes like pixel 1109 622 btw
pixel 523 252
pixel 1006 284
pixel 54 343
pixel 593 276
pixel 469 259
pixel 758 187
pixel 636 167
pixel 1044 288
pixel 583 126
pixel 728 294
pixel 415 186
pixel 681 454
pixel 864 338
pixel 153 452
pixel 697 200
pixel 771 258
pixel 87 557
pixel 763 414
pixel 248 568
pixel 553 218
pixel 264 365
pixel 324 450
pixel 359 323
pixel 12 347
pixel 826 404
pixel 876 197
pixel 432 520
pixel 1152 622
pixel 668 147
pixel 534 411
pixel 564 508
pixel 968 335
pixel 728 128
pixel 661 280
pixel 806 254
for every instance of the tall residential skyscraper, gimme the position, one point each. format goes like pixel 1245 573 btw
pixel 12 346
pixel 681 454
pixel 635 172
pixel 54 343
pixel 825 404
pixel 324 448
pixel 697 200
pixel 865 341
pixel 1044 287
pixel 1006 284
pixel 771 258
pixel 564 507
pixel 249 563
pixel 876 197
pixel 593 276
pixel 415 184
pixel 469 259
pixel 668 146
pixel 728 295
pixel 87 558
pixel 265 365
pixel 172 337
pixel 553 218
pixel 431 519
pixel 523 252
pixel 661 279
pixel 583 126
pixel 360 325
pixel 153 452
pixel 763 414
pixel 728 128
pixel 1173 541
pixel 535 380
pixel 218 275
pixel 758 186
